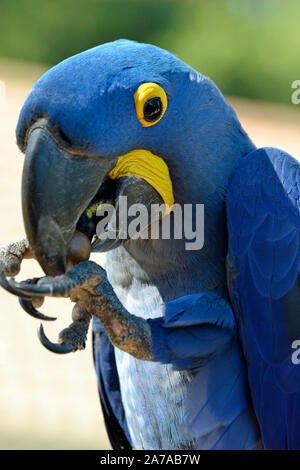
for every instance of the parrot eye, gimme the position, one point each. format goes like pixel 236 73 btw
pixel 150 103
pixel 152 109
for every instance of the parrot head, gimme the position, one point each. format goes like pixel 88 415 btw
pixel 123 118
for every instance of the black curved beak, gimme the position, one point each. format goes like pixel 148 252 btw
pixel 57 186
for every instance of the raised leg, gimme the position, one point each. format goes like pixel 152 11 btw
pixel 87 285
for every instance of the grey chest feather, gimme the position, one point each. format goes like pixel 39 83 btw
pixel 153 394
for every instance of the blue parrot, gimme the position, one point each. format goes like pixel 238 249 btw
pixel 193 348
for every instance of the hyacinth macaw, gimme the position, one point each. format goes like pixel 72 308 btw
pixel 192 348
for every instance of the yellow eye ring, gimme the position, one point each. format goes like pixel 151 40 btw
pixel 150 103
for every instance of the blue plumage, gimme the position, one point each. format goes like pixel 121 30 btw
pixel 109 388
pixel 221 375
pixel 263 201
pixel 198 333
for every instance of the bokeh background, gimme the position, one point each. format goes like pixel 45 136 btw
pixel 250 48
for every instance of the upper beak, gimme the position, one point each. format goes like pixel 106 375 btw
pixel 56 187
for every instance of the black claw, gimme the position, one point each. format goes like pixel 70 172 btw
pixel 58 348
pixel 28 290
pixel 6 285
pixel 29 308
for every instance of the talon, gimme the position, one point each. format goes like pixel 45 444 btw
pixel 8 287
pixel 58 348
pixel 28 290
pixel 29 308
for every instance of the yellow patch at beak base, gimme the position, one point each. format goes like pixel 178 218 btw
pixel 149 167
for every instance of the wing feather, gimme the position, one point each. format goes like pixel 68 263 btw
pixel 263 213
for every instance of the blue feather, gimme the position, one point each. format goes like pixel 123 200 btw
pixel 264 287
pixel 197 332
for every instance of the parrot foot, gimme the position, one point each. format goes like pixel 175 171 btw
pixel 84 276
pixel 11 257
pixel 87 285
pixel 72 338
pixel 77 283
pixel 29 307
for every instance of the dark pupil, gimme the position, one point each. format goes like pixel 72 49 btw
pixel 152 109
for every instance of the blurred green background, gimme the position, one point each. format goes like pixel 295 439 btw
pixel 249 47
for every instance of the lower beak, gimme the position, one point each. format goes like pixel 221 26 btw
pixel 56 187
